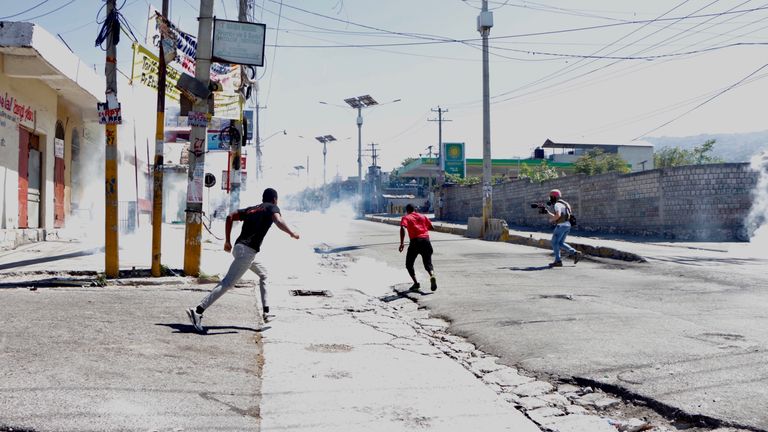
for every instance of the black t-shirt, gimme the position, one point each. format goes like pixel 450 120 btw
pixel 256 223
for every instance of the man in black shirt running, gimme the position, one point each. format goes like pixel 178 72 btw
pixel 256 222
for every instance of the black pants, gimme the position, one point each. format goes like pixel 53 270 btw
pixel 419 246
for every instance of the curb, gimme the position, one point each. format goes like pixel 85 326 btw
pixel 595 251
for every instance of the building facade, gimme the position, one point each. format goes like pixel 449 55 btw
pixel 47 121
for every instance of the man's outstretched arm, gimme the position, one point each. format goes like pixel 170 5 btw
pixel 278 220
pixel 234 216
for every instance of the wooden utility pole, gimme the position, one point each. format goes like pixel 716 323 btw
pixel 112 251
pixel 194 211
pixel 157 181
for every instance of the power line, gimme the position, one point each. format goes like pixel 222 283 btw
pixel 571 67
pixel 25 11
pixel 55 10
pixel 583 74
pixel 274 54
pixel 718 94
pixel 658 111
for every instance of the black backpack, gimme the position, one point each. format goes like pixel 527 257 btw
pixel 568 212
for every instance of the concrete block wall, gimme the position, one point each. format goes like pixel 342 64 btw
pixel 698 202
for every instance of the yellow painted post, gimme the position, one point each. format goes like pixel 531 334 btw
pixel 111 256
pixel 111 249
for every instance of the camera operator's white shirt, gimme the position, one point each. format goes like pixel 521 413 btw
pixel 562 209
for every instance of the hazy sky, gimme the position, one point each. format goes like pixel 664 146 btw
pixel 536 95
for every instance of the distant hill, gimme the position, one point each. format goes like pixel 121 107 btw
pixel 731 147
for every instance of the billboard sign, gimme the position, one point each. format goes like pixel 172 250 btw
pixel 238 42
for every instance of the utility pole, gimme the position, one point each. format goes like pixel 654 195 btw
pixel 157 180
pixel 374 177
pixel 194 210
pixel 484 24
pixel 440 120
pixel 236 146
pixel 257 132
pixel 111 248
pixel 440 157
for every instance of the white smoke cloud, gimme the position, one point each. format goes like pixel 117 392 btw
pixel 757 219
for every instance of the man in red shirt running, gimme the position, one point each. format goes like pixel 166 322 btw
pixel 418 227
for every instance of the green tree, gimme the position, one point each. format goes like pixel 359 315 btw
pixel 467 181
pixel 597 161
pixel 675 156
pixel 539 173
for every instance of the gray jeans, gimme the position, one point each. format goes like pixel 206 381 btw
pixel 244 259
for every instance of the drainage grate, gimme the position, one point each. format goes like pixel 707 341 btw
pixel 304 293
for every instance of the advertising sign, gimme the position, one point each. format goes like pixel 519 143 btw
pixel 109 115
pixel 454 161
pixel 248 114
pixel 238 42
pixel 58 148
pixel 217 141
pixel 226 103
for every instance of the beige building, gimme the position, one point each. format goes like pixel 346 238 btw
pixel 47 121
pixel 639 155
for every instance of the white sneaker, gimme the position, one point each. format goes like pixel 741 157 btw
pixel 196 319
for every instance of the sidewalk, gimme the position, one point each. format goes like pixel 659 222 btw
pixel 125 358
pixel 627 249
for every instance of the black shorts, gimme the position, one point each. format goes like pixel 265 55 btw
pixel 419 246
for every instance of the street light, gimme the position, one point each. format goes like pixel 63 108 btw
pixel 359 103
pixel 325 139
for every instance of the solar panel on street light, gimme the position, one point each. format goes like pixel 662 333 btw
pixel 367 100
pixel 353 102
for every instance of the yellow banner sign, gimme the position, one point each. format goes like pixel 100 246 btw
pixel 226 103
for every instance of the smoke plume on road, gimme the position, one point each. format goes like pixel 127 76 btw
pixel 757 220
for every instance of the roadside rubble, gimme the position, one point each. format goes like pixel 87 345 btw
pixel 554 406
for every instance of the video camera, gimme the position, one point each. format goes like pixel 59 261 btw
pixel 541 206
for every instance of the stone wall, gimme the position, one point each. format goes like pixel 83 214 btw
pixel 698 202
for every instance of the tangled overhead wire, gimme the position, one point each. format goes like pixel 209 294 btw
pixel 110 27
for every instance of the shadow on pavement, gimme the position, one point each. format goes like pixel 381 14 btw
pixel 34 261
pixel 189 328
pixel 546 267
pixel 326 249
pixel 403 294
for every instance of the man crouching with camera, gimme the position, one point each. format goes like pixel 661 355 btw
pixel 560 214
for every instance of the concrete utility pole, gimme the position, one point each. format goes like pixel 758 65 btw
pixel 440 157
pixel 236 146
pixel 374 177
pixel 440 120
pixel 157 180
pixel 484 24
pixel 111 248
pixel 257 132
pixel 194 210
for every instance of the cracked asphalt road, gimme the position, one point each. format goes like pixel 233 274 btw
pixel 688 335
